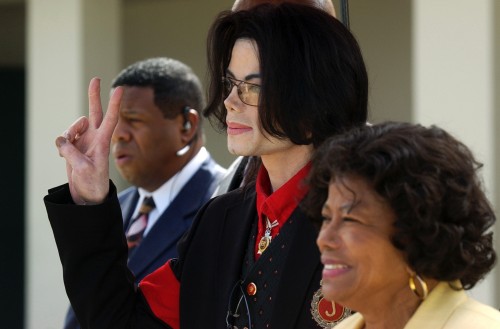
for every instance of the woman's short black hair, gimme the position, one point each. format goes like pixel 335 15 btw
pixel 431 181
pixel 314 81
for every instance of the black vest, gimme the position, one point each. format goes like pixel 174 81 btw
pixel 260 280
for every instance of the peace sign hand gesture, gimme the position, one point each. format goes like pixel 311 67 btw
pixel 85 146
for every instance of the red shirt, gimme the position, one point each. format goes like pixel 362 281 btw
pixel 280 204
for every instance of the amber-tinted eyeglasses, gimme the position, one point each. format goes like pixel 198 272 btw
pixel 248 93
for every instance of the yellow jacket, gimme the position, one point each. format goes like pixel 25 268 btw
pixel 444 308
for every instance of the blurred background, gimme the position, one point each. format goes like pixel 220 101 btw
pixel 429 61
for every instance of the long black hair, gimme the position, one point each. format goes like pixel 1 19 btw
pixel 314 80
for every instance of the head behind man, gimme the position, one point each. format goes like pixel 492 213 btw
pixel 325 5
pixel 159 128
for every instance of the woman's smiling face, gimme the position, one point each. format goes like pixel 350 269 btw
pixel 361 265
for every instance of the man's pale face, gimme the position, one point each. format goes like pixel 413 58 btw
pixel 244 133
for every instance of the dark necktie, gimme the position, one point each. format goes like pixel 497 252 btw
pixel 138 225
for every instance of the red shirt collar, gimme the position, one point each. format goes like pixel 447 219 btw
pixel 280 204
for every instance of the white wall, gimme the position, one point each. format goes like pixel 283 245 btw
pixel 496 137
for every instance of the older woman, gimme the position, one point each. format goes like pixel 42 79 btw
pixel 404 229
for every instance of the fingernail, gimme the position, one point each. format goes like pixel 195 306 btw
pixel 66 134
pixel 60 141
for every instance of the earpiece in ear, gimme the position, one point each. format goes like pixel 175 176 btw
pixel 185 113
pixel 186 127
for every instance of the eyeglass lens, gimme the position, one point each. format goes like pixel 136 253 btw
pixel 247 92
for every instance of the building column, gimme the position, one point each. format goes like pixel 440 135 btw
pixel 454 85
pixel 80 39
pixel 496 136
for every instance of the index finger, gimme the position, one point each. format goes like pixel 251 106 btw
pixel 95 107
pixel 111 118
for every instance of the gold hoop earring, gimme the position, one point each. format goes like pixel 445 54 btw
pixel 423 286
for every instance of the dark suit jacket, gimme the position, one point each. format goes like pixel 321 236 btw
pixel 210 262
pixel 159 245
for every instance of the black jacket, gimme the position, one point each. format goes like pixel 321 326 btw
pixel 101 289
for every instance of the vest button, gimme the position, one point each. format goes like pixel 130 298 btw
pixel 251 289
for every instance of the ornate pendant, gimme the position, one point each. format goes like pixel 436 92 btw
pixel 264 242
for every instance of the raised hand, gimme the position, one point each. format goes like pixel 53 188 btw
pixel 85 146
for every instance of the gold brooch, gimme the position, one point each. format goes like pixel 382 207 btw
pixel 327 313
